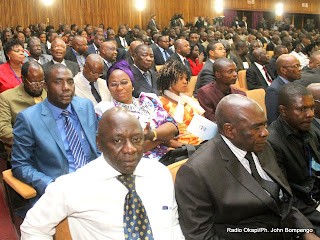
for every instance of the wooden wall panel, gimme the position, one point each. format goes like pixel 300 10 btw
pixel 112 13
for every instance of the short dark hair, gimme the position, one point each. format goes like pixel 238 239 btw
pixel 10 44
pixel 49 70
pixel 211 46
pixel 170 73
pixel 289 91
pixel 26 66
pixel 192 46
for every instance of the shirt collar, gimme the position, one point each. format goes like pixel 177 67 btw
pixel 56 112
pixel 63 62
pixel 259 65
pixel 142 72
pixel 239 153
pixel 181 57
pixel 284 80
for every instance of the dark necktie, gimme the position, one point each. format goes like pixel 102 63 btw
pixel 267 74
pixel 271 187
pixel 146 77
pixel 95 92
pixel 186 63
pixel 74 141
pixel 135 218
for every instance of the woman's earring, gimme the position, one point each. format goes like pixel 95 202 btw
pixel 132 89
pixel 170 88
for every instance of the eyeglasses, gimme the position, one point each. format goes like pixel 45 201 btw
pixel 123 83
pixel 35 84
pixel 96 74
pixel 294 66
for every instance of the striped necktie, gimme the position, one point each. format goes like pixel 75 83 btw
pixel 146 76
pixel 135 218
pixel 74 141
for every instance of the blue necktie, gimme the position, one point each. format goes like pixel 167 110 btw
pixel 135 218
pixel 74 141
pixel 186 63
pixel 145 75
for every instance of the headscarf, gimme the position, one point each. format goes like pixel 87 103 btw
pixel 121 65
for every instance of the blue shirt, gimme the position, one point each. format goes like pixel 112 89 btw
pixel 60 120
pixel 284 80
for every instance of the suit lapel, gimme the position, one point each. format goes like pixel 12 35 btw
pixel 81 87
pixel 51 125
pixel 25 96
pixel 242 175
pixel 261 77
pixel 143 82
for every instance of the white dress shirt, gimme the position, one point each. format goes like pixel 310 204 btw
pixel 260 67
pixel 93 200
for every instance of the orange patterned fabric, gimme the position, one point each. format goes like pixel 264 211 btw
pixel 184 136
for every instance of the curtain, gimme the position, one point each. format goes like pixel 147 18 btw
pixel 256 16
pixel 228 17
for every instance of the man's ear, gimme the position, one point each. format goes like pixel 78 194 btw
pixel 282 110
pixel 228 130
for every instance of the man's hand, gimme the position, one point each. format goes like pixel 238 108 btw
pixel 310 236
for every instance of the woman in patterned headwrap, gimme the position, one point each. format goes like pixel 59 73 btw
pixel 159 126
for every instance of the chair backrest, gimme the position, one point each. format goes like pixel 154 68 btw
pixel 174 167
pixel 128 47
pixel 191 86
pixel 265 46
pixel 158 67
pixel 270 53
pixel 259 96
pixel 63 231
pixel 242 78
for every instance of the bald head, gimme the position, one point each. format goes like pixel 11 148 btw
pixel 108 51
pixel 120 139
pixel 314 88
pixel 182 47
pixel 93 67
pixel 79 44
pixel 288 67
pixel 133 45
pixel 220 63
pixel 314 60
pixel 260 56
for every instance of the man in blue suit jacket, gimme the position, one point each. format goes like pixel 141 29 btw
pixel 41 151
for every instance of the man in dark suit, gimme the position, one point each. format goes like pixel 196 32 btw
pixel 265 37
pixel 145 79
pixel 215 51
pixel 161 51
pixel 182 49
pixel 271 66
pixel 122 38
pixel 108 52
pixel 48 143
pixel 152 23
pixel 289 70
pixel 257 74
pixel 129 58
pixel 225 72
pixel 314 61
pixel 244 23
pixel 94 47
pixel 194 38
pixel 240 55
pixel 58 52
pixel 78 52
pixel 314 88
pixel 222 190
pixel 235 22
pixel 296 148
pixel 273 43
pixel 34 48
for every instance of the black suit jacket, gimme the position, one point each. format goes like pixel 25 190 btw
pixel 140 84
pixel 271 99
pixel 74 67
pixel 270 46
pixel 292 159
pixel 158 58
pixel 310 76
pixel 205 76
pixel 215 192
pixel 272 68
pixel 105 71
pixel 255 78
pixel 175 57
pixel 71 57
pixel 119 42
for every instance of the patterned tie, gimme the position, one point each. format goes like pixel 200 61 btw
pixel 166 54
pixel 74 142
pixel 186 63
pixel 146 76
pixel 267 74
pixel 95 92
pixel 271 187
pixel 135 219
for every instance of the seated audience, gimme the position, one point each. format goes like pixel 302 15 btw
pixel 230 187
pixel 314 88
pixel 54 137
pixel 257 74
pixel 88 83
pixel 225 72
pixel 172 83
pixel 97 41
pixel 240 55
pixel 297 52
pixel 161 51
pixel 14 100
pixel 78 52
pixel 108 52
pixel 107 213
pixel 122 38
pixel 271 66
pixel 129 58
pixel 194 38
pixel 215 51
pixel 273 43
pixel 296 148
pixel 158 125
pixel 182 50
pixel 145 78
pixel 10 76
pixel 195 59
pixel 58 52
pixel 314 61
pixel 289 70
pixel 34 48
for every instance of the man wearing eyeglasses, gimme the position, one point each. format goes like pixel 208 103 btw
pixel 21 97
pixel 88 83
pixel 289 70
pixel 54 137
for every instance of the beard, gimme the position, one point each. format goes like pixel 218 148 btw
pixel 33 93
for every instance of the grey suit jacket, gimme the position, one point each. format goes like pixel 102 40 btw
pixel 271 99
pixel 205 76
pixel 215 192
pixel 74 67
pixel 140 84
pixel 310 76
pixel 44 58
pixel 91 49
